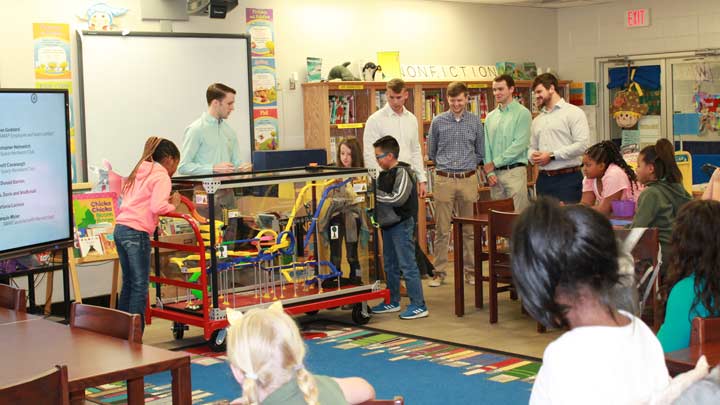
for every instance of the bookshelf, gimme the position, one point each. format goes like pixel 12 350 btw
pixel 324 127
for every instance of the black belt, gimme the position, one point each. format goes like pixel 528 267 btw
pixel 512 166
pixel 558 172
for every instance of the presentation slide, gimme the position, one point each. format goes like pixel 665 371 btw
pixel 34 201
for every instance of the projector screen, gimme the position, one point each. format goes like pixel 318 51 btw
pixel 35 208
pixel 143 84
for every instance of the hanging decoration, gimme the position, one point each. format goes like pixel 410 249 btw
pixel 626 108
pixel 706 104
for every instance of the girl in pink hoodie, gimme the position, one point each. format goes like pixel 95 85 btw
pixel 146 196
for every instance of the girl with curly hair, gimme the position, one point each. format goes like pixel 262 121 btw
pixel 607 177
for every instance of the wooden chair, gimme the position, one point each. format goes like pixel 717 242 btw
pixel 398 400
pixel 532 175
pixel 705 330
pixel 484 207
pixel 48 388
pixel 645 255
pixel 499 226
pixel 106 321
pixel 12 298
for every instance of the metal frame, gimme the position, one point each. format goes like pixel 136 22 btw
pixel 667 60
pixel 212 319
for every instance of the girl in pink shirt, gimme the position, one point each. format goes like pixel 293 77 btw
pixel 607 177
pixel 146 196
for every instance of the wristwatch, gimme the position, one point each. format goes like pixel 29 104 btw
pixel 552 156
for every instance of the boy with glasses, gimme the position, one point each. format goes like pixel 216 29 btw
pixel 397 205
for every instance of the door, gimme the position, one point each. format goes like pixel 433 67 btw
pixel 639 121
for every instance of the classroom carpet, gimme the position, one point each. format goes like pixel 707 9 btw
pixel 423 371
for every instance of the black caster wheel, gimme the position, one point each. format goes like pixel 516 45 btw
pixel 217 341
pixel 178 330
pixel 359 316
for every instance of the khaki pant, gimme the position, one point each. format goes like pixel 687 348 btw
pixel 458 195
pixel 512 183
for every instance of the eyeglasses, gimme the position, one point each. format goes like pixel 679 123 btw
pixel 378 157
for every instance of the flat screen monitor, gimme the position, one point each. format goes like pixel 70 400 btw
pixel 35 189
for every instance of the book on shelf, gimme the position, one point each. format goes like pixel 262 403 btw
pixel 430 211
pixel 433 105
pixel 430 242
pixel 342 109
pixel 333 149
pixel 380 99
pixel 429 176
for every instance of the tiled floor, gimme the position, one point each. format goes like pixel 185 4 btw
pixel 514 332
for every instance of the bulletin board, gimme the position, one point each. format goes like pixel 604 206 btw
pixel 133 85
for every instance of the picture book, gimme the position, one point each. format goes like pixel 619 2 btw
pixel 94 219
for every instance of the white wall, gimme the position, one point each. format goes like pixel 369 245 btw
pixel 596 31
pixel 425 32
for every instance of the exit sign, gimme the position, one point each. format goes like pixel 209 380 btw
pixel 637 18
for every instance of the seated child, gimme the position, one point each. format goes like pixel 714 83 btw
pixel 663 194
pixel 694 272
pixel 565 268
pixel 266 354
pixel 603 161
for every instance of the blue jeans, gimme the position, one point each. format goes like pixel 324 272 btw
pixel 399 256
pixel 133 249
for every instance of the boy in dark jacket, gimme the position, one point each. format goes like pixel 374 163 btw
pixel 397 205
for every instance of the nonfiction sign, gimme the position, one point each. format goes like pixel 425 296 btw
pixel 448 72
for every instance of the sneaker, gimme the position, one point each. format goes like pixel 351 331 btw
pixel 437 281
pixel 470 278
pixel 414 312
pixel 383 308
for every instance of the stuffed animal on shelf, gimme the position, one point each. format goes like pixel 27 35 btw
pixel 627 109
pixel 341 72
pixel 369 71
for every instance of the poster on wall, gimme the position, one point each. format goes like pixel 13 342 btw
pixel 260 27
pixel 52 51
pixel 264 77
pixel 52 65
pixel 264 83
pixel 266 128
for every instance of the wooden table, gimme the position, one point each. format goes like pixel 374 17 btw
pixel 92 359
pixel 477 222
pixel 683 360
pixel 8 316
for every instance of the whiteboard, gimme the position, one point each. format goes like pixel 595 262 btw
pixel 144 84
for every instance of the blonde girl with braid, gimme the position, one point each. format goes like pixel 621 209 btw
pixel 145 196
pixel 266 354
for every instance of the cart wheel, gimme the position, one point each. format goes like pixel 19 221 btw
pixel 178 330
pixel 359 316
pixel 217 340
pixel 312 313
